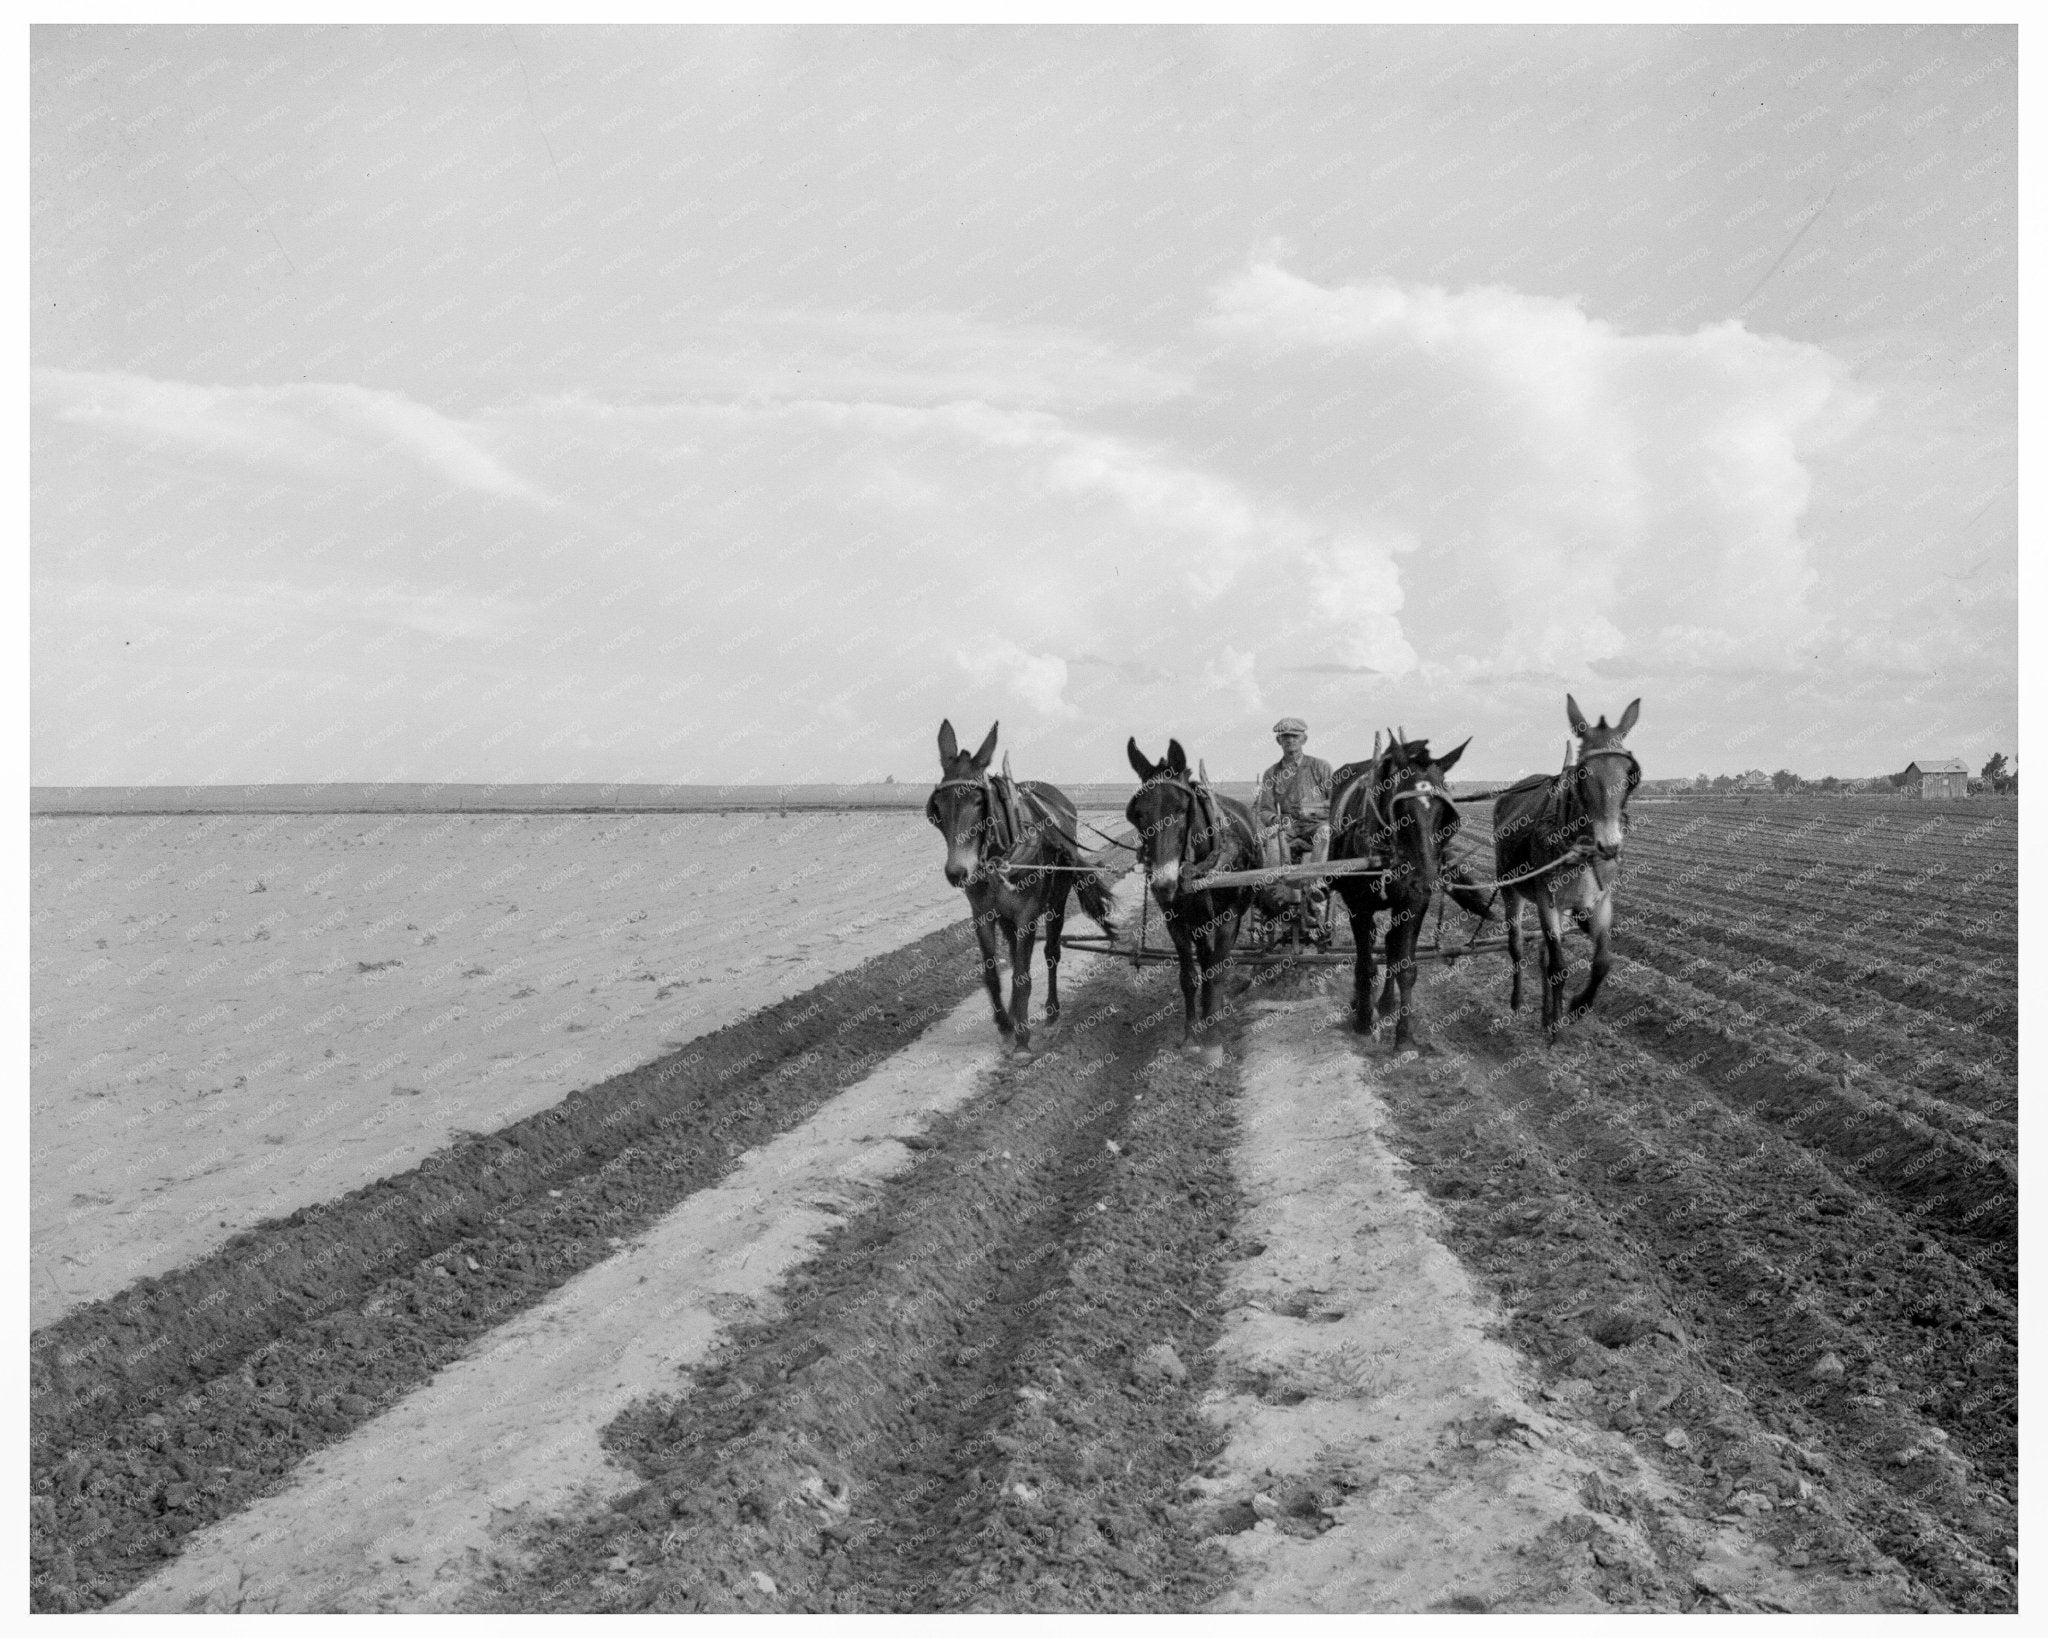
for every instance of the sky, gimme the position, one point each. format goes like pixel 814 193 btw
pixel 728 404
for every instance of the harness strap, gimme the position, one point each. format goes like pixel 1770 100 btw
pixel 1008 822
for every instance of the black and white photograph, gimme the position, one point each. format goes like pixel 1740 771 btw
pixel 1137 816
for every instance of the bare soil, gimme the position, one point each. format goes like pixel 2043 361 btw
pixel 1749 1232
pixel 1760 1198
pixel 968 1403
pixel 234 1017
pixel 182 1398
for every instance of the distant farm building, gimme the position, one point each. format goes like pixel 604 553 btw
pixel 1946 777
pixel 1756 780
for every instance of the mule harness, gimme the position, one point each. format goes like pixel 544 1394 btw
pixel 1002 798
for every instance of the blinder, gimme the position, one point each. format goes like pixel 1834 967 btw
pixel 1202 811
pixel 1635 768
pixel 990 824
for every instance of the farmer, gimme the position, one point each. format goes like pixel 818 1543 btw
pixel 1294 794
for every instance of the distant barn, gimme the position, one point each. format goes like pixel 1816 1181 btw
pixel 1946 777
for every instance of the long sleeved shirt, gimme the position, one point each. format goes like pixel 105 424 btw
pixel 1298 788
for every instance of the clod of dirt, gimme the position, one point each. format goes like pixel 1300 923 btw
pixel 1160 1363
pixel 1678 1439
pixel 1618 1327
pixel 1828 1368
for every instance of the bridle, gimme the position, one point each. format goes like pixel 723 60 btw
pixel 1635 778
pixel 988 825
pixel 1201 808
pixel 1635 768
pixel 1380 802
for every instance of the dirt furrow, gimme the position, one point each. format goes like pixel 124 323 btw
pixel 1832 1369
pixel 1951 1186
pixel 184 1398
pixel 982 1394
pixel 1937 1076
pixel 1975 995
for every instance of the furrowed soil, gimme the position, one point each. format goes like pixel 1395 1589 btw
pixel 1751 1225
pixel 982 1395
pixel 184 1397
pixel 1758 1200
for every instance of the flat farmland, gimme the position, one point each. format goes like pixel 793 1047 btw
pixel 1785 1143
pixel 1724 1282
pixel 236 1016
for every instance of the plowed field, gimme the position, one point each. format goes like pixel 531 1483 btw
pixel 1789 1136
pixel 1748 1234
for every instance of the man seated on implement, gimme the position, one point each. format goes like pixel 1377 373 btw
pixel 1293 803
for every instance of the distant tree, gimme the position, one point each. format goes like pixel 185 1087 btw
pixel 1831 784
pixel 1994 770
pixel 1701 782
pixel 1724 782
pixel 1785 781
pixel 889 780
pixel 1898 780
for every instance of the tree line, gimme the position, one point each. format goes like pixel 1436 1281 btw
pixel 1997 778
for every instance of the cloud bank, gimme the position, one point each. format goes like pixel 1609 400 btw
pixel 1594 495
pixel 316 427
pixel 816 541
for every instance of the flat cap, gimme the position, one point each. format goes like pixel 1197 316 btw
pixel 1290 725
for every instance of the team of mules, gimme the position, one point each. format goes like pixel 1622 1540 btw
pixel 1012 846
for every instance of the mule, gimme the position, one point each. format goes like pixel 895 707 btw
pixel 1395 808
pixel 1185 832
pixel 1010 845
pixel 1570 825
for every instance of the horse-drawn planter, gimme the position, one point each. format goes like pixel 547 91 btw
pixel 1296 932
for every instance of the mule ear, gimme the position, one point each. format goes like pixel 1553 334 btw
pixel 1628 717
pixel 1444 764
pixel 1176 758
pixel 949 747
pixel 1375 745
pixel 1202 772
pixel 1139 764
pixel 988 748
pixel 1574 715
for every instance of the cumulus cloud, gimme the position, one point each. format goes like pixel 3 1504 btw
pixel 1040 680
pixel 1038 552
pixel 1574 493
pixel 330 428
pixel 1380 500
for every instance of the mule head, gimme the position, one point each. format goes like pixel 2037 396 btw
pixel 960 807
pixel 1415 804
pixel 1162 813
pixel 1605 774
